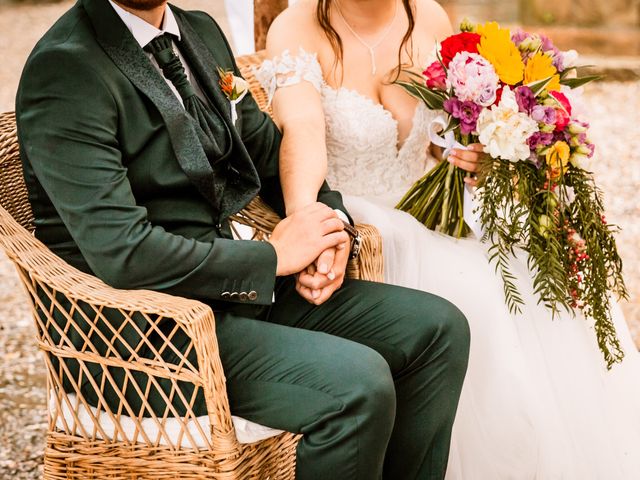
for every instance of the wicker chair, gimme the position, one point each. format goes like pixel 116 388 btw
pixel 95 443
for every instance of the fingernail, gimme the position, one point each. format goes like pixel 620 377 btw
pixel 315 294
pixel 331 275
pixel 323 268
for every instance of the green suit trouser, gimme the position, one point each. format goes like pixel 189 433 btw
pixel 371 378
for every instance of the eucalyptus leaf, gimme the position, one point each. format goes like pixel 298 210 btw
pixel 540 85
pixel 432 99
pixel 578 82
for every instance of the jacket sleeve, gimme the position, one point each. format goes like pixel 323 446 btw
pixel 261 138
pixel 67 125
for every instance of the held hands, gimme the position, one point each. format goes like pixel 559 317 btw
pixel 468 160
pixel 322 278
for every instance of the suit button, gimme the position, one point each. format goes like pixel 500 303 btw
pixel 225 295
pixel 253 295
pixel 234 296
pixel 243 296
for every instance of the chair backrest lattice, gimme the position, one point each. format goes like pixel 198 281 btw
pixel 13 191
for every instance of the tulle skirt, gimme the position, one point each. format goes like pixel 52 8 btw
pixel 538 401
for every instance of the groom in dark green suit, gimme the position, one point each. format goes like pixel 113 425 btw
pixel 134 160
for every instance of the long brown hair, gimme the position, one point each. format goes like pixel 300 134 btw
pixel 323 15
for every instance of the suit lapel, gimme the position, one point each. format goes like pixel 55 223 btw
pixel 126 54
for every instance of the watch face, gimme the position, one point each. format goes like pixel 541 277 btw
pixel 355 247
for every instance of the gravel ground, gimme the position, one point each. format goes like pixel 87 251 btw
pixel 612 108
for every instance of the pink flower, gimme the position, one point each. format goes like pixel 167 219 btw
pixel 436 76
pixel 563 113
pixel 473 79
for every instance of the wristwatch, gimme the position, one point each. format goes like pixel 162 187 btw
pixel 356 240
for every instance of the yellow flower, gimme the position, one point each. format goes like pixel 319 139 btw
pixel 558 158
pixel 540 67
pixel 496 46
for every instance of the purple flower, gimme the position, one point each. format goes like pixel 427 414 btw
pixel 525 98
pixel 467 112
pixel 558 61
pixel 547 44
pixel 542 114
pixel 519 36
pixel 550 49
pixel 535 159
pixel 561 136
pixel 540 139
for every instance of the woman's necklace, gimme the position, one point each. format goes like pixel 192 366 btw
pixel 371 47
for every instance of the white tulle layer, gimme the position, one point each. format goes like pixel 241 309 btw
pixel 538 402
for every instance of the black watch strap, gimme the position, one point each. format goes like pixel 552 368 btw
pixel 356 239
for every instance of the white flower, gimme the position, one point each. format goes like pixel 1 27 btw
pixel 569 58
pixel 566 195
pixel 504 130
pixel 241 87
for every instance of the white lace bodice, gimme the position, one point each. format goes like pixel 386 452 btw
pixel 362 136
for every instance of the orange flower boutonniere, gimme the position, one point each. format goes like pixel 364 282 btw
pixel 234 88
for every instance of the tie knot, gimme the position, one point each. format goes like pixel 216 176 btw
pixel 160 44
pixel 162 50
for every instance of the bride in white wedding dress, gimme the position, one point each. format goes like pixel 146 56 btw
pixel 538 402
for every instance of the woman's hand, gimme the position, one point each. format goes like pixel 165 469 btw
pixel 469 160
pixel 317 287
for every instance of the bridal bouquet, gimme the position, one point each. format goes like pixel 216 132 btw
pixel 512 94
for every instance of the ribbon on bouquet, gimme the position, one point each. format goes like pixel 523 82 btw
pixel 447 141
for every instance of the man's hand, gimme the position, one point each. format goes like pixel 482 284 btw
pixel 300 238
pixel 317 287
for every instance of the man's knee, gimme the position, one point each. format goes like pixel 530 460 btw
pixel 451 321
pixel 371 386
pixel 442 323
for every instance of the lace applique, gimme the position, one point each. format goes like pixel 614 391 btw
pixel 287 70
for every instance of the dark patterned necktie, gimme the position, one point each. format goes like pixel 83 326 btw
pixel 214 133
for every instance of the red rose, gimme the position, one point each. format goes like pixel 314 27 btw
pixel 436 76
pixel 563 113
pixel 462 42
pixel 499 94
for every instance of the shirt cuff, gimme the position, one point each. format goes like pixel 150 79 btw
pixel 342 216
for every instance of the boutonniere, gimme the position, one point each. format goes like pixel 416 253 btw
pixel 234 88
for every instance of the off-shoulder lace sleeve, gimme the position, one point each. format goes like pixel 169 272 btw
pixel 287 70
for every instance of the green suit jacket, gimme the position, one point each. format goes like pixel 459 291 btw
pixel 105 145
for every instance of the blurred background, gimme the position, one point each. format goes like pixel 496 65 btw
pixel 606 33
